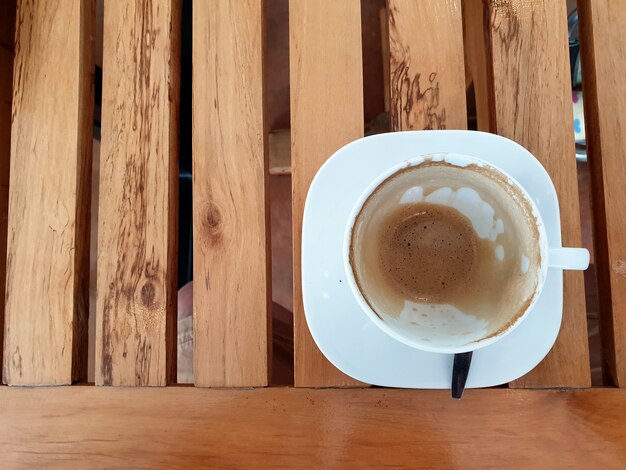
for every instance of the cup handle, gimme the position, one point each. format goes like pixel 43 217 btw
pixel 569 258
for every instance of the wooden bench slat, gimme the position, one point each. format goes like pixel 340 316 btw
pixel 177 427
pixel 426 65
pixel 602 25
pixel 326 72
pixel 137 214
pixel 230 184
pixel 531 104
pixel 7 36
pixel 47 265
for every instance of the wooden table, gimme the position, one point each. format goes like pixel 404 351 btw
pixel 515 53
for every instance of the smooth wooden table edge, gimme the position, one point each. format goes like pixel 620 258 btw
pixel 127 426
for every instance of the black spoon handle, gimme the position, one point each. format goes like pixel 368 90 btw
pixel 460 370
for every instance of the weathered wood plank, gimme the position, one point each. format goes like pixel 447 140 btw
pixel 230 184
pixel 137 214
pixel 531 104
pixel 326 113
pixel 176 427
pixel 426 65
pixel 602 24
pixel 47 261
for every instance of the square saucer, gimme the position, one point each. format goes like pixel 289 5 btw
pixel 344 333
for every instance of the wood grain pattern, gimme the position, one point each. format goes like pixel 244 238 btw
pixel 48 258
pixel 426 65
pixel 531 98
pixel 7 36
pixel 137 214
pixel 474 27
pixel 602 23
pixel 179 427
pixel 230 184
pixel 326 113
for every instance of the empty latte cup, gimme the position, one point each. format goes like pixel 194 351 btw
pixel 447 253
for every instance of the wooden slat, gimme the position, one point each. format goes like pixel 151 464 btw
pixel 426 65
pixel 7 35
pixel 476 58
pixel 180 427
pixel 137 214
pixel 326 113
pixel 602 25
pixel 230 183
pixel 48 234
pixel 531 104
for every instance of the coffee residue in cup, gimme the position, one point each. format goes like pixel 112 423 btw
pixel 428 251
pixel 414 252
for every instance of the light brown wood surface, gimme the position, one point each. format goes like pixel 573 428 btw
pixel 180 427
pixel 137 214
pixel 7 36
pixel 326 113
pixel 476 58
pixel 604 71
pixel 230 184
pixel 47 262
pixel 531 104
pixel 426 65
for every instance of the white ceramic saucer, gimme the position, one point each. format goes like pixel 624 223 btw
pixel 345 334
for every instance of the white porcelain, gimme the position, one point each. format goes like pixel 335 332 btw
pixel 451 330
pixel 338 324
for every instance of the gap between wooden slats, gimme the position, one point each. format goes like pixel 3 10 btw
pixel 530 103
pixel 326 113
pixel 48 226
pixel 476 59
pixel 230 183
pixel 602 26
pixel 7 38
pixel 137 215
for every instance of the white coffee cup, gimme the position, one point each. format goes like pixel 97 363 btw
pixel 446 328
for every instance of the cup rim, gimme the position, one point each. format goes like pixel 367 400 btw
pixel 459 160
